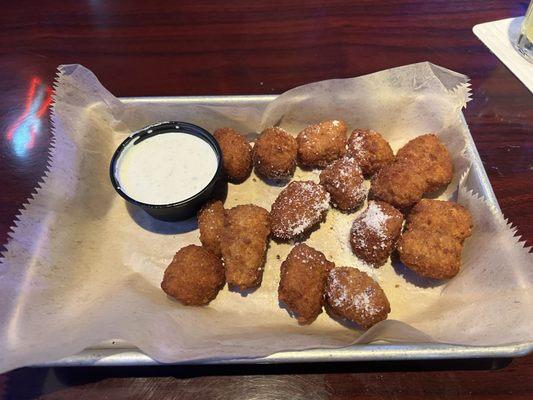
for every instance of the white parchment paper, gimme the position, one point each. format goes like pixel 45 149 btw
pixel 81 266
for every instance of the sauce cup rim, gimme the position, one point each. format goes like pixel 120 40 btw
pixel 161 128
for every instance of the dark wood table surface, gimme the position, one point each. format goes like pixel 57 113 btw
pixel 140 48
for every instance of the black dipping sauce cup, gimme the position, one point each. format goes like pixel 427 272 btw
pixel 182 209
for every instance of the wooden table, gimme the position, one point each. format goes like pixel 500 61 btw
pixel 141 48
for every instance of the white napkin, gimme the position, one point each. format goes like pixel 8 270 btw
pixel 500 37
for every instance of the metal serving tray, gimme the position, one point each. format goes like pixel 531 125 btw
pixel 118 352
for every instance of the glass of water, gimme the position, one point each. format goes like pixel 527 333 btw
pixel 525 40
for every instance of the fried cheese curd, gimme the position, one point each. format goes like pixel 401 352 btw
pixel 432 158
pixel 370 150
pixel 211 225
pixel 355 296
pixel 422 166
pixel 243 245
pixel 344 182
pixel 194 277
pixel 433 240
pixel 375 231
pixel 320 144
pixel 303 281
pixel 439 216
pixel 274 154
pixel 236 154
pixel 299 207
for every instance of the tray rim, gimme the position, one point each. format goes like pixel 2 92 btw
pixel 120 353
pixel 114 357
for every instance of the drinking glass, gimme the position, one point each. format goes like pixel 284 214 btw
pixel 525 40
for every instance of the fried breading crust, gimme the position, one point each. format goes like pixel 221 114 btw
pixel 422 166
pixel 243 245
pixel 274 154
pixel 320 144
pixel 445 217
pixel 431 156
pixel 371 151
pixel 429 254
pixel 211 225
pixel 433 241
pixel 375 231
pixel 300 206
pixel 344 181
pixel 398 184
pixel 353 295
pixel 194 277
pixel 302 282
pixel 236 154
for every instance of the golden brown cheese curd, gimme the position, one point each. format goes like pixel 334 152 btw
pixel 236 154
pixel 302 282
pixel 194 277
pixel 274 154
pixel 298 208
pixel 353 295
pixel 371 151
pixel 243 245
pixel 320 144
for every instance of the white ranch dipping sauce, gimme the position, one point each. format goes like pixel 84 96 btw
pixel 166 168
